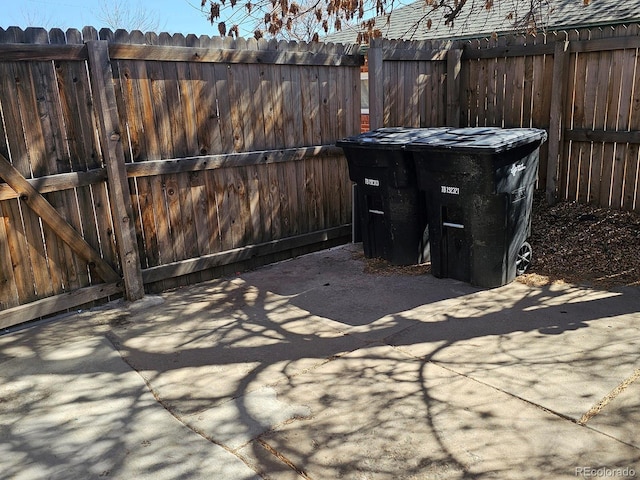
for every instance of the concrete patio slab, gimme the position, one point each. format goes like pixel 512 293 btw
pixel 314 369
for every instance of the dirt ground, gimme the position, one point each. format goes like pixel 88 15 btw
pixel 571 243
pixel 583 244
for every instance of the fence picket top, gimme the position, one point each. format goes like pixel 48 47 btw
pixel 89 33
pixel 121 36
pixel 191 40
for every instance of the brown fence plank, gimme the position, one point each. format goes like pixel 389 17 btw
pixel 484 73
pixel 507 51
pixel 213 211
pixel 215 136
pixel 168 107
pixel 307 104
pixel 605 117
pixel 587 151
pixel 296 169
pixel 159 215
pixel 492 106
pixel 8 290
pixel 501 78
pixel 389 95
pixel 598 44
pixel 54 183
pixel 403 87
pixel 527 85
pixel 225 108
pixel 512 76
pixel 9 295
pixel 565 147
pixel 577 155
pixel 238 98
pixel 144 147
pixel 406 77
pixel 17 243
pixel 266 94
pixel 376 77
pixel 472 87
pixel 518 81
pixel 454 79
pixel 422 86
pixel 275 202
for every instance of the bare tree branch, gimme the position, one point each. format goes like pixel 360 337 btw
pixel 290 19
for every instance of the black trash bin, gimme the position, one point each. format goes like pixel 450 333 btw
pixel 388 206
pixel 479 184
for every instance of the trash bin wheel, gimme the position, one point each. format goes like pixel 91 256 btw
pixel 524 258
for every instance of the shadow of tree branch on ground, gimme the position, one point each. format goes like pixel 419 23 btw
pixel 310 368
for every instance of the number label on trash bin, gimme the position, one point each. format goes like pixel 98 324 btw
pixel 372 182
pixel 515 169
pixel 450 190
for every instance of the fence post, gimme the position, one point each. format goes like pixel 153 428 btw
pixel 376 84
pixel 454 66
pixel 104 96
pixel 556 125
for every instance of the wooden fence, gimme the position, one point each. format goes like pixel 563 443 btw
pixel 137 163
pixel 141 162
pixel 581 86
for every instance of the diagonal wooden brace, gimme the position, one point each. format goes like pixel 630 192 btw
pixel 28 194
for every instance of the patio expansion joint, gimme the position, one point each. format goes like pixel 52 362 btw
pixel 283 459
pixel 618 390
pixel 114 341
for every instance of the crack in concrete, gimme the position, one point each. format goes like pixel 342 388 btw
pixel 597 408
pixel 115 342
pixel 283 459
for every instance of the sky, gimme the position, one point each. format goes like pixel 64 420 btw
pixel 172 16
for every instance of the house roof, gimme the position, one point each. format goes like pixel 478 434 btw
pixel 476 21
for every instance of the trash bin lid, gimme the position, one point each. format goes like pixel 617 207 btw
pixel 390 137
pixel 479 139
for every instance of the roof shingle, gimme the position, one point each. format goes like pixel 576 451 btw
pixel 505 17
